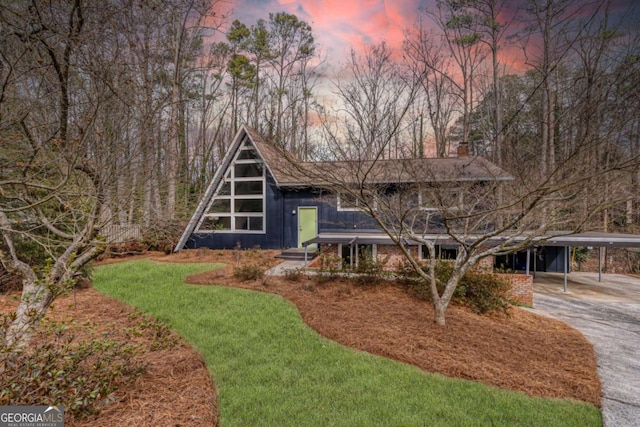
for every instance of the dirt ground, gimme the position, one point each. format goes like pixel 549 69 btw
pixel 522 351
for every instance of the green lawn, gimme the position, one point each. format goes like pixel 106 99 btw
pixel 270 369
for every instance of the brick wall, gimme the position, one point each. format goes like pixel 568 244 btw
pixel 485 265
pixel 393 255
pixel 521 287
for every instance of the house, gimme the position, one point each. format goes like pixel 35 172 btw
pixel 258 199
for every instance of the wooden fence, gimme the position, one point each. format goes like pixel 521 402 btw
pixel 115 233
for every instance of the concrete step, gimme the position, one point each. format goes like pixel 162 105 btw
pixel 297 254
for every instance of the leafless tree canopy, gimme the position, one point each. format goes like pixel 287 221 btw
pixel 119 113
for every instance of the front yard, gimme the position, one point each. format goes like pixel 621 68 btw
pixel 271 369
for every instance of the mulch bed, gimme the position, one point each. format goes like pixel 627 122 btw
pixel 523 351
pixel 175 390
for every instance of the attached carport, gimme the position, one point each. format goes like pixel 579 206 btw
pixel 560 242
pixel 589 239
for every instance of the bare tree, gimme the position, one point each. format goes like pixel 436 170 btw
pixel 53 191
pixel 93 129
pixel 376 95
pixel 466 201
pixel 431 66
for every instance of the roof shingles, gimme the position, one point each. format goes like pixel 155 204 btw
pixel 287 170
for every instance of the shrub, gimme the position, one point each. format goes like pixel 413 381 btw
pixel 369 271
pixel 294 274
pixel 481 292
pixel 161 335
pixel 79 375
pixel 330 262
pixel 163 236
pixel 329 269
pixel 248 272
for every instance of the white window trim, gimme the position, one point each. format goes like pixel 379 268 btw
pixel 229 177
pixel 421 253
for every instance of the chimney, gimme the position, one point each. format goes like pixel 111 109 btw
pixel 463 149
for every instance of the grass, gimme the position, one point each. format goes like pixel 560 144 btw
pixel 270 369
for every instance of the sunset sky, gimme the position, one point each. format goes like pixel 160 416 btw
pixel 339 25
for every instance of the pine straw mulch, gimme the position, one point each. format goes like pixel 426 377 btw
pixel 175 389
pixel 522 351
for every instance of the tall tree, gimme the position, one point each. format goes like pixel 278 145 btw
pixel 291 46
pixel 53 189
pixel 431 66
pixel 461 38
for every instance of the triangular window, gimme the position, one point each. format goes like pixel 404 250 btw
pixel 238 204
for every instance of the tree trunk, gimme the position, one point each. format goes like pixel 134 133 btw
pixel 439 310
pixel 36 298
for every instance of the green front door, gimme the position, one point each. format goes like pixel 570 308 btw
pixel 307 225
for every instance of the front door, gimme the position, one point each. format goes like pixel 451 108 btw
pixel 307 224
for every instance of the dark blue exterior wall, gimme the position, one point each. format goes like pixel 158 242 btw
pixel 329 218
pixel 554 259
pixel 282 222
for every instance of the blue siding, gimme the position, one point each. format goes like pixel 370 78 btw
pixel 554 259
pixel 282 223
pixel 292 200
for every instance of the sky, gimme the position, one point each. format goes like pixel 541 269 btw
pixel 340 25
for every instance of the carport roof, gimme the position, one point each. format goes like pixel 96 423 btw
pixel 590 238
pixel 595 238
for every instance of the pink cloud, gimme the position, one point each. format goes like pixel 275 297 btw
pixel 340 25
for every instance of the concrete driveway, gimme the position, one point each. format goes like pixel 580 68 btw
pixel 608 314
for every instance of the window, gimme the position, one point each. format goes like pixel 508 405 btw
pixel 220 206
pixel 348 202
pixel 359 252
pixel 438 199
pixel 248 170
pixel 442 252
pixel 238 204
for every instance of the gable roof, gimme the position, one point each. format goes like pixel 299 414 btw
pixel 288 171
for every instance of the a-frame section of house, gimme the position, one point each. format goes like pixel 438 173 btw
pixel 235 200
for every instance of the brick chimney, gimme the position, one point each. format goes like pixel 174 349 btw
pixel 463 149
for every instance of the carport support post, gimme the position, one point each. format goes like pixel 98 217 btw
pixel 566 261
pixel 535 261
pixel 528 255
pixel 599 263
